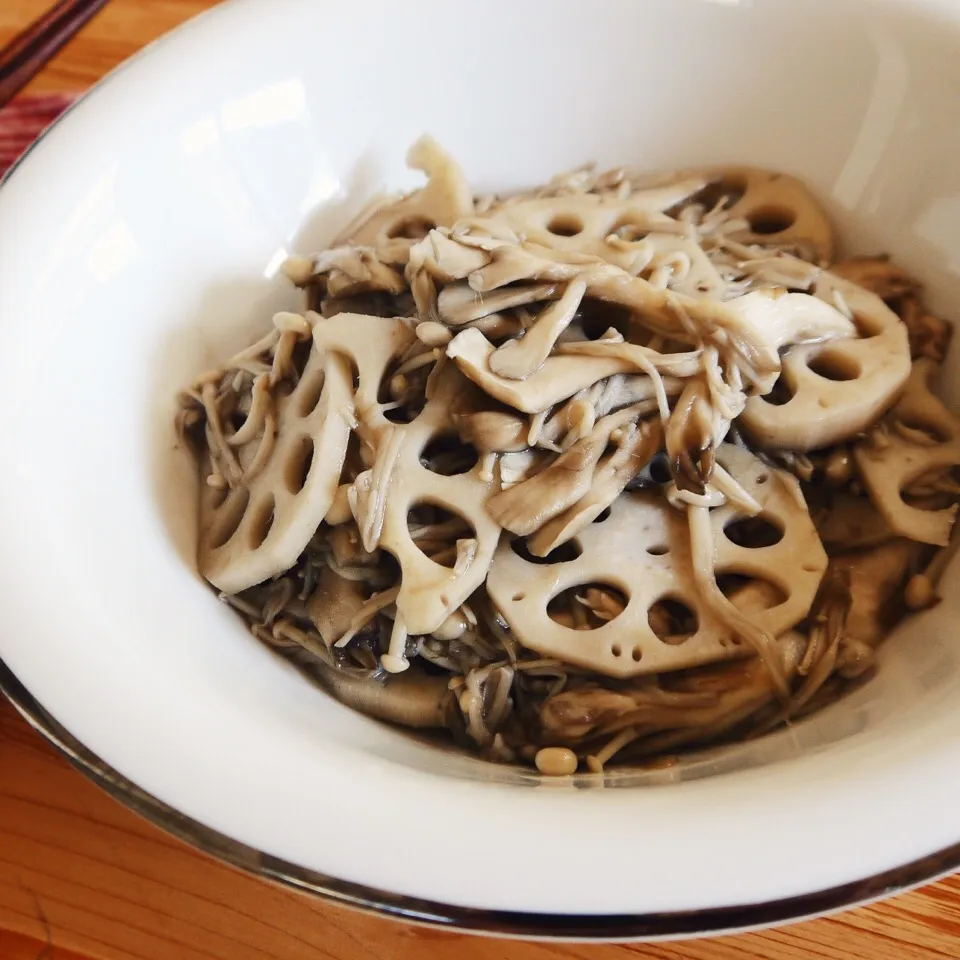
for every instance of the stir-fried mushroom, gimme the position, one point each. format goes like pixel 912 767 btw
pixel 556 471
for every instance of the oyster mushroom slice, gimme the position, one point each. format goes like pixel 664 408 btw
pixel 615 471
pixel 643 550
pixel 852 523
pixel 527 506
pixel 459 303
pixel 333 604
pixel 519 359
pixel 877 580
pixel 666 312
pixel 890 462
pixel 490 431
pixel 784 319
pixel 411 700
pixel 558 379
pixel 351 270
pixel 839 388
pixel 260 529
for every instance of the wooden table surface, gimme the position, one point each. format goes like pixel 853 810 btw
pixel 82 877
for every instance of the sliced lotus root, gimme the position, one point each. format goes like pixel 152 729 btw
pixel 429 591
pixel 831 392
pixel 779 209
pixel 446 198
pixel 641 551
pixel 918 444
pixel 371 344
pixel 260 529
pixel 632 233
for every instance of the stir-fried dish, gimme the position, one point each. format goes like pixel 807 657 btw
pixel 595 472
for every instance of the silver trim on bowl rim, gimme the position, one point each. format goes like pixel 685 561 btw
pixel 424 912
pixel 604 928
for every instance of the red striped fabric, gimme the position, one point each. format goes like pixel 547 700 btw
pixel 23 120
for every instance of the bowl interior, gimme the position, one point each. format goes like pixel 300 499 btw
pixel 139 245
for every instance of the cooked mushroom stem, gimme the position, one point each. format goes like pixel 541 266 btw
pixel 633 453
pixel 411 700
pixel 518 359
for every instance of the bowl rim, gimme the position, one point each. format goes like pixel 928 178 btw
pixel 622 927
pixel 598 928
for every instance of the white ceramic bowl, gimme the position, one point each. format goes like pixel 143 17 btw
pixel 141 239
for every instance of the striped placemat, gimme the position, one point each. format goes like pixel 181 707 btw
pixel 23 120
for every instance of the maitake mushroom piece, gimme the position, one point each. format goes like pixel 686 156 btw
pixel 557 379
pixel 840 388
pixel 917 445
pixel 877 580
pixel 741 331
pixel 643 550
pixel 413 700
pixel 262 525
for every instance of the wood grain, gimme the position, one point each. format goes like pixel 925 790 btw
pixel 81 877
pixel 123 28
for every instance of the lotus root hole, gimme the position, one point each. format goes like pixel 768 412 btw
pixel 768 221
pixel 626 228
pixel 763 478
pixel 782 393
pixel 433 527
pixel 265 513
pixel 754 532
pixel 763 594
pixel 658 549
pixel 587 606
pixel 410 228
pixel 637 654
pixel 517 597
pixel 565 553
pixel 596 317
pixel 660 468
pixel 616 650
pixel 299 464
pixel 603 515
pixel 728 191
pixel 449 456
pixel 866 326
pixel 565 225
pixel 228 518
pixel 401 388
pixel 672 620
pixel 310 392
pixel 835 365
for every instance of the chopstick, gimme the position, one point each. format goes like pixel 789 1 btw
pixel 30 51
